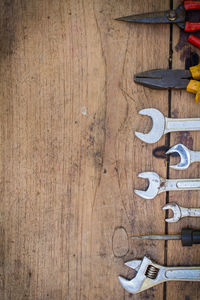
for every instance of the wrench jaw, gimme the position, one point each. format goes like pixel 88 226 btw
pixel 158 127
pixel 176 211
pixel 185 157
pixel 153 188
pixel 141 281
pixel 132 286
pixel 134 264
pixel 129 285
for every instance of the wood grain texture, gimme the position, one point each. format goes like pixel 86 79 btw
pixel 69 157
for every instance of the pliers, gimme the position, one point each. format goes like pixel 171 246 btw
pixel 172 79
pixel 177 16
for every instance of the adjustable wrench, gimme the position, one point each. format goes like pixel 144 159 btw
pixel 150 274
pixel 180 212
pixel 158 185
pixel 163 125
pixel 187 156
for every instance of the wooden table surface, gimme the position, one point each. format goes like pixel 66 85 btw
pixel 69 157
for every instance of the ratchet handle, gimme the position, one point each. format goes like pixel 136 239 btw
pixel 189 26
pixel 192 5
pixel 183 273
pixel 194 40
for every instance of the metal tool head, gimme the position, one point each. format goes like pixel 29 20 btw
pixel 154 185
pixel 158 126
pixel 185 157
pixel 141 281
pixel 164 79
pixel 164 17
pixel 176 211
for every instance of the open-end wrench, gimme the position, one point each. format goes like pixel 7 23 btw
pixel 180 212
pixel 187 156
pixel 150 274
pixel 163 125
pixel 158 185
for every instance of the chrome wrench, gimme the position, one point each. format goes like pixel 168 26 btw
pixel 150 274
pixel 187 156
pixel 163 125
pixel 180 212
pixel 157 185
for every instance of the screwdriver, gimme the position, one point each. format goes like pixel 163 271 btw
pixel 188 237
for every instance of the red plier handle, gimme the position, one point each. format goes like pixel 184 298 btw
pixel 192 26
pixel 192 5
pixel 194 40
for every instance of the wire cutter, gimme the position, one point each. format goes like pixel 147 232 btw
pixel 172 79
pixel 177 16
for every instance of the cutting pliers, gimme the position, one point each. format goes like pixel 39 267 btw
pixel 172 79
pixel 177 16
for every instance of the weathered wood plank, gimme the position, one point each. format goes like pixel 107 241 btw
pixel 69 158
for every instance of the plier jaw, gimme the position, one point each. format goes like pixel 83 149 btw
pixel 164 17
pixel 172 79
pixel 164 79
pixel 177 16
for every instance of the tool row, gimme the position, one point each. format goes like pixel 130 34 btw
pixel 148 273
pixel 163 125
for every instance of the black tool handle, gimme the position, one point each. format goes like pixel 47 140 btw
pixel 190 237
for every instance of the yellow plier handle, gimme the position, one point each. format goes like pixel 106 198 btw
pixel 194 85
pixel 195 71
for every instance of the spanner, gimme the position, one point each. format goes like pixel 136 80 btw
pixel 150 274
pixel 163 125
pixel 187 156
pixel 180 212
pixel 158 185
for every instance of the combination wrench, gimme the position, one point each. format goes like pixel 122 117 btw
pixel 163 125
pixel 157 185
pixel 187 156
pixel 180 212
